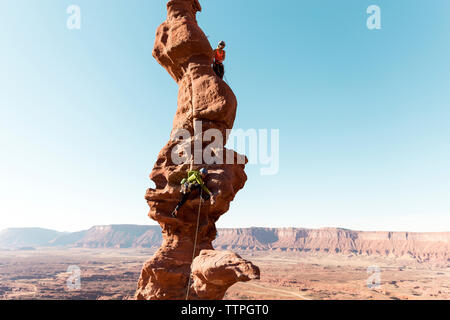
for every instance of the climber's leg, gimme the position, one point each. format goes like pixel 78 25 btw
pixel 216 69
pixel 221 71
pixel 180 204
pixel 189 188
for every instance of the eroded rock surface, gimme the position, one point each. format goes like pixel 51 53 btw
pixel 213 272
pixel 184 51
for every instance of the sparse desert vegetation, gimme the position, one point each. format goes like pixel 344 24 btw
pixel 113 274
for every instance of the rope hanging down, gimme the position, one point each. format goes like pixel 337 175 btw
pixel 195 243
pixel 193 122
pixel 199 206
pixel 226 81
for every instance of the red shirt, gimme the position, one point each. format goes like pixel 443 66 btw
pixel 219 55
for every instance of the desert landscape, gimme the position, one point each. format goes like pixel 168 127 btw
pixel 110 259
pixel 112 274
pixel 190 115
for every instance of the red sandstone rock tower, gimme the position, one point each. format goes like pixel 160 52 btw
pixel 183 50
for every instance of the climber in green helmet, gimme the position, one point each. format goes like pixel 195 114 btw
pixel 194 181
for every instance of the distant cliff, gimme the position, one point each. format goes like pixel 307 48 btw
pixel 109 236
pixel 26 237
pixel 422 246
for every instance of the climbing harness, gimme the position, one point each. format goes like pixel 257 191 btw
pixel 195 243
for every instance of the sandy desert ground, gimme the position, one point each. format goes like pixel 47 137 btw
pixel 113 274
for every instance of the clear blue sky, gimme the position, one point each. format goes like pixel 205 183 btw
pixel 363 115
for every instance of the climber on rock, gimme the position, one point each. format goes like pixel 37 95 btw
pixel 219 58
pixel 194 181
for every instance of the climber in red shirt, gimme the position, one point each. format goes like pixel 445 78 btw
pixel 219 58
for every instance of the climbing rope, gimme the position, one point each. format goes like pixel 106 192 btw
pixel 191 167
pixel 226 80
pixel 195 243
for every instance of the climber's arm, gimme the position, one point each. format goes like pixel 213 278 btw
pixel 206 189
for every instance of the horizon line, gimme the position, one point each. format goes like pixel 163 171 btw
pixel 248 227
